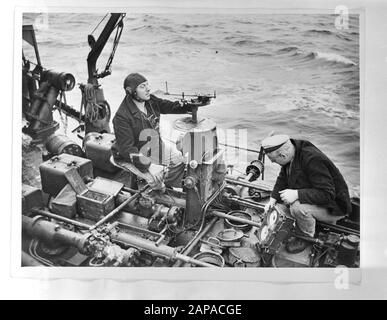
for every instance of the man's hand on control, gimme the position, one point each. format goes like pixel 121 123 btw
pixel 288 196
pixel 270 205
pixel 158 177
pixel 155 181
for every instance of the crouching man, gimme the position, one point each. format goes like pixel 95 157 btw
pixel 309 186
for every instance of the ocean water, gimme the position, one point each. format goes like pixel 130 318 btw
pixel 295 73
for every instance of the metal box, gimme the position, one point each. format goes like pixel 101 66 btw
pixel 94 205
pixel 52 172
pixel 65 203
pixel 106 186
pixel 31 198
pixel 98 149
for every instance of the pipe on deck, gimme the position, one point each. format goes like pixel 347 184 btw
pixel 233 218
pixel 245 203
pixel 195 242
pixel 161 249
pixel 52 233
pixel 61 218
pixel 28 261
pixel 257 185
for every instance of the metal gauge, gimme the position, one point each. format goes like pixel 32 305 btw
pixel 263 233
pixel 272 218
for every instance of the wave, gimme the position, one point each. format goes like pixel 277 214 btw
pixel 243 21
pixel 320 100
pixel 62 44
pixel 317 104
pixel 327 32
pixel 317 55
pixel 188 26
pixel 255 43
pixel 232 37
pixel 143 27
pixel 245 43
pixel 189 41
pixel 315 31
pixel 287 49
pixel 343 37
pixel 331 57
pixel 254 54
pixel 127 18
pixel 153 28
pixel 47 42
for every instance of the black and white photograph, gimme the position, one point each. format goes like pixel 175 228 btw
pixel 191 140
pixel 179 150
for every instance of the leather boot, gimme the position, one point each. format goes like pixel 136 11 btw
pixel 295 245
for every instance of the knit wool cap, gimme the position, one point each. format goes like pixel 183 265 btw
pixel 133 81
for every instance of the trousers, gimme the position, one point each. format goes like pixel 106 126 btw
pixel 170 157
pixel 306 215
pixel 174 159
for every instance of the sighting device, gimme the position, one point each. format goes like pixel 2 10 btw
pixel 193 100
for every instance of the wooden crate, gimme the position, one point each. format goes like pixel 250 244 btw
pixel 94 205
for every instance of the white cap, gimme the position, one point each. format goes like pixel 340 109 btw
pixel 273 143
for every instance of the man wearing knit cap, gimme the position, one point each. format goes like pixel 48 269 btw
pixel 136 127
pixel 309 186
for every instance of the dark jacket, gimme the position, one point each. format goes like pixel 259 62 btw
pixel 316 178
pixel 128 123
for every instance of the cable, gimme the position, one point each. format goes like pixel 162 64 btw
pixel 99 23
pixel 167 193
pixel 204 210
pixel 117 37
pixel 35 64
pixel 92 264
pixel 238 171
pixel 32 251
pixel 315 260
pixel 39 256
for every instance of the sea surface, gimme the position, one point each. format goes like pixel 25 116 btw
pixel 295 74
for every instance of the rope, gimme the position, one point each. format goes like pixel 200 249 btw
pixel 99 23
pixel 117 37
pixel 59 108
pixel 91 106
pixel 35 64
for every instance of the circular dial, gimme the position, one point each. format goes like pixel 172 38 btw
pixel 272 218
pixel 263 233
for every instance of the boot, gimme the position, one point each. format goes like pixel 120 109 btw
pixel 295 245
